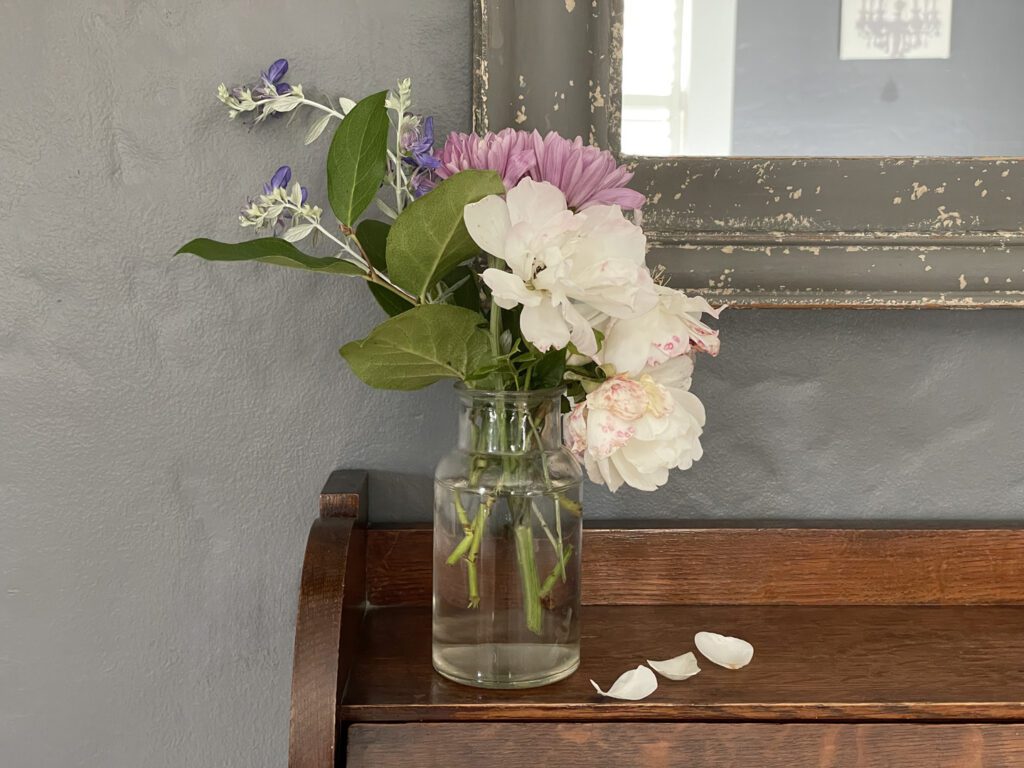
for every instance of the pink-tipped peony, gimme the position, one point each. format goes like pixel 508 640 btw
pixel 586 175
pixel 634 429
pixel 509 152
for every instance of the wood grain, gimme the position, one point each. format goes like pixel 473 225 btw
pixel 331 604
pixel 685 745
pixel 345 494
pixel 948 663
pixel 739 566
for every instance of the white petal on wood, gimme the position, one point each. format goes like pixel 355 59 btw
pixel 728 652
pixel 634 685
pixel 679 668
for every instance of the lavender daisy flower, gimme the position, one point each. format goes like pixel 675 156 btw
pixel 586 175
pixel 509 152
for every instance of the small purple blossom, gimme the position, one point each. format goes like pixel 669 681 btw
pixel 256 209
pixel 282 176
pixel 422 182
pixel 272 80
pixel 419 143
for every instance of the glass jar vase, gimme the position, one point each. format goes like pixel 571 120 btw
pixel 507 536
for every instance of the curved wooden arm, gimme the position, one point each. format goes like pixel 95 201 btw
pixel 331 601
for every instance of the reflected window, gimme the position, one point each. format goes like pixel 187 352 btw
pixel 677 85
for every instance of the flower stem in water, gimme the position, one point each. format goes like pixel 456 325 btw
pixel 528 575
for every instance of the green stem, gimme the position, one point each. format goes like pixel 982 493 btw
pixel 549 582
pixel 572 507
pixel 460 511
pixel 479 523
pixel 462 548
pixel 555 545
pixel 528 576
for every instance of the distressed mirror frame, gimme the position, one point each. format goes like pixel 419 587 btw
pixel 860 232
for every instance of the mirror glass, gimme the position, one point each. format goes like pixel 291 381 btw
pixel 841 78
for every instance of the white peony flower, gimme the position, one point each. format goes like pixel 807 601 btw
pixel 634 429
pixel 561 264
pixel 669 330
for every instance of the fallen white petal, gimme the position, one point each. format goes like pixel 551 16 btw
pixel 728 652
pixel 679 668
pixel 634 685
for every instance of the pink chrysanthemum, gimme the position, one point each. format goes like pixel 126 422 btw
pixel 586 175
pixel 509 152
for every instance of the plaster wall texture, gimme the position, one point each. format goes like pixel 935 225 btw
pixel 165 424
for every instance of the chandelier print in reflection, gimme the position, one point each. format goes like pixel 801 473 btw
pixel 896 29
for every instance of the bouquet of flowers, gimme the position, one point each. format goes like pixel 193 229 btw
pixel 563 296
pixel 506 262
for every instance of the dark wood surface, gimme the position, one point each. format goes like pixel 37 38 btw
pixel 872 648
pixel 331 599
pixel 740 566
pixel 810 662
pixel 685 745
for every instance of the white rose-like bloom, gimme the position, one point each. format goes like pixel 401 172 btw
pixel 634 429
pixel 670 330
pixel 557 260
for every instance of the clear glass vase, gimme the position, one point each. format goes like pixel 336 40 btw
pixel 507 536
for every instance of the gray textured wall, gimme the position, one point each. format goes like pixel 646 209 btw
pixel 165 424
pixel 794 96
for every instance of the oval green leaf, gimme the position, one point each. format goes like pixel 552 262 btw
pixel 268 250
pixel 357 160
pixel 430 238
pixel 419 347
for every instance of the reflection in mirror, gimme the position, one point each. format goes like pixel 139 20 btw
pixel 826 78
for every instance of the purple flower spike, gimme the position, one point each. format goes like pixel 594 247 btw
pixel 305 194
pixel 276 71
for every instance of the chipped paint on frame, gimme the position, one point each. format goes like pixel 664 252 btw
pixel 793 232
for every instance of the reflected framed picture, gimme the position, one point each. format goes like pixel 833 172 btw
pixel 895 29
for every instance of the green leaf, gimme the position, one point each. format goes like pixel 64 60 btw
pixel 373 237
pixel 429 238
pixel 468 294
pixel 548 370
pixel 357 160
pixel 389 301
pixel 268 250
pixel 421 346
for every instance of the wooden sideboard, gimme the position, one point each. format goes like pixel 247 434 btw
pixel 873 647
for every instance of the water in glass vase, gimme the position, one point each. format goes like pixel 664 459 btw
pixel 507 538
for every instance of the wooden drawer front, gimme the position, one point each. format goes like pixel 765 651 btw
pixel 685 745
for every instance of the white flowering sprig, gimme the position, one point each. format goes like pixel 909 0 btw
pixel 411 161
pixel 280 209
pixel 403 124
pixel 285 211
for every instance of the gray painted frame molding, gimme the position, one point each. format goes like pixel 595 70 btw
pixel 762 232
